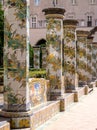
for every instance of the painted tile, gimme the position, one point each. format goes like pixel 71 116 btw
pixel 69 54
pixel 38 91
pixel 16 54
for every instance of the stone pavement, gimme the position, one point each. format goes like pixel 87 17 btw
pixel 78 116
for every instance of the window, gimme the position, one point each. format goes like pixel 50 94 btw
pixel 34 22
pixel 1 1
pixel 89 22
pixel 36 2
pixel 70 15
pixel 92 1
pixel 55 2
pixel 73 2
pixel 96 22
pixel 82 23
pixel 41 23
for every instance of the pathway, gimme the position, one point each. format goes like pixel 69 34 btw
pixel 78 116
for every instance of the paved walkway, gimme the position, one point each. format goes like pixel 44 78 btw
pixel 78 116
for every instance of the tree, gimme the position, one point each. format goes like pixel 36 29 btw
pixel 1 35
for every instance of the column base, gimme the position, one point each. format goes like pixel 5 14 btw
pixel 19 120
pixel 34 118
pixel 53 96
pixel 72 90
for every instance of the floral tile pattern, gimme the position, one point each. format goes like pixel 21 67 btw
pixel 16 53
pixel 44 55
pixel 69 56
pixel 89 59
pixel 54 55
pixel 83 52
pixel 23 122
pixel 94 64
pixel 36 57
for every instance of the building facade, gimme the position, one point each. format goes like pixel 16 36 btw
pixel 84 11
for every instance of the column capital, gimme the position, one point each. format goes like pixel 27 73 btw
pixel 54 12
pixel 70 22
pixel 82 33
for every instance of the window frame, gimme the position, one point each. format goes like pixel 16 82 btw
pixel 82 23
pixel 95 22
pixel 34 23
pixel 73 2
pixel 92 2
pixel 89 21
pixel 55 2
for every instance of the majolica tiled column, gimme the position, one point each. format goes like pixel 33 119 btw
pixel 54 35
pixel 36 57
pixel 94 64
pixel 82 56
pixel 96 60
pixel 70 55
pixel 16 64
pixel 44 55
pixel 89 58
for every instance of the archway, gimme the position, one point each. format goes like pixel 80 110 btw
pixel 41 42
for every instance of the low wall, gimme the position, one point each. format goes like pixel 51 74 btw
pixel 45 112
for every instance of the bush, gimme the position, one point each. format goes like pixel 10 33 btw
pixel 37 73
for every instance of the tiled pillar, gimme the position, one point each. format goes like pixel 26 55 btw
pixel 82 56
pixel 54 36
pixel 94 64
pixel 36 57
pixel 89 58
pixel 44 55
pixel 70 55
pixel 16 64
